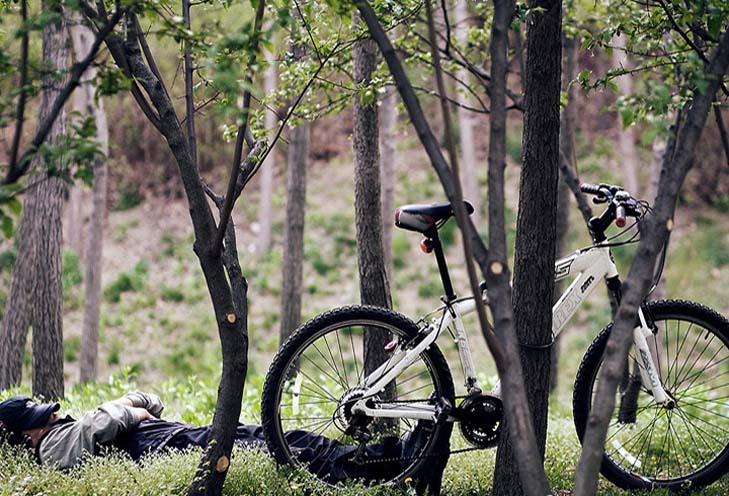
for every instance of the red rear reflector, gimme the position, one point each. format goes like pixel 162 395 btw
pixel 426 246
pixel 397 216
pixel 391 345
pixel 620 222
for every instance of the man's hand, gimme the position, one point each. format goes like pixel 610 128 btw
pixel 141 414
pixel 149 402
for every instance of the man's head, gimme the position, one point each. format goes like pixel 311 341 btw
pixel 20 414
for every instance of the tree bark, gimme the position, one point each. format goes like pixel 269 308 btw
pixel 536 229
pixel 263 244
pixel 293 259
pixel 373 283
pixel 388 121
pixel 35 292
pixel 82 40
pixel 465 121
pixel 75 208
pixel 566 149
pixel 628 154
pixel 655 229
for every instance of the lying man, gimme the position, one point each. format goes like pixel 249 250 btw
pixel 132 424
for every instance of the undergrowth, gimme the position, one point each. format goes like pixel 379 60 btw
pixel 252 472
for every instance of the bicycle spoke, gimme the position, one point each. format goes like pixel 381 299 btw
pixel 341 357
pixel 325 373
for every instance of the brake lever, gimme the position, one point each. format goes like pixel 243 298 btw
pixel 597 200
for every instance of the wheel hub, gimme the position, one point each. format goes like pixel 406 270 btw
pixel 344 417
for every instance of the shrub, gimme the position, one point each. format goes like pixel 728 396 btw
pixel 171 294
pixel 133 280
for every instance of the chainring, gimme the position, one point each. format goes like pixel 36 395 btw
pixel 481 419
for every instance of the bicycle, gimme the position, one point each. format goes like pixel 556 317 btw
pixel 670 428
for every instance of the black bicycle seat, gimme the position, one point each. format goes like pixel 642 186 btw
pixel 421 218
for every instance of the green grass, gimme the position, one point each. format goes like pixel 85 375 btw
pixel 252 472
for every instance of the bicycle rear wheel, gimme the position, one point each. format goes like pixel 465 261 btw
pixel 319 373
pixel 648 445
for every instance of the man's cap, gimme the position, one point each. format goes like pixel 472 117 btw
pixel 20 413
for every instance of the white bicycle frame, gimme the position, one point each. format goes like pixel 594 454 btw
pixel 590 265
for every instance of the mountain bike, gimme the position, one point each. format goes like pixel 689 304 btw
pixel 671 423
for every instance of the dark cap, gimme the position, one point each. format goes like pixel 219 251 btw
pixel 21 413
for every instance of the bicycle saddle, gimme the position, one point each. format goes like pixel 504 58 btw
pixel 422 218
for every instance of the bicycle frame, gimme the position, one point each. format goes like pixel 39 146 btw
pixel 590 265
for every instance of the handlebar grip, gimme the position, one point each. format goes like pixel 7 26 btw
pixel 593 189
pixel 620 216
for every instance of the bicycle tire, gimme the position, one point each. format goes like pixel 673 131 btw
pixel 702 398
pixel 292 354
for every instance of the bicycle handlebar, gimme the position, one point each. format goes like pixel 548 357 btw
pixel 621 204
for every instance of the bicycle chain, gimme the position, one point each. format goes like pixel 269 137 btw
pixel 429 455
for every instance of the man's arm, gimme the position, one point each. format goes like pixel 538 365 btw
pixel 65 445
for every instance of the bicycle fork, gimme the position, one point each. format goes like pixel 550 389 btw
pixel 649 374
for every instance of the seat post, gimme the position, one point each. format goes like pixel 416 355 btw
pixel 442 266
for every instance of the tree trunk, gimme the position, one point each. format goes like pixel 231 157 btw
pixel 566 152
pixel 35 292
pixel 628 154
pixel 373 283
pixel 293 260
pixel 388 121
pixel 536 229
pixel 266 190
pixel 655 229
pixel 82 39
pixel 75 209
pixel 465 122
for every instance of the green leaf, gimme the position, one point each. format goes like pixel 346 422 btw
pixel 627 116
pixel 714 25
pixel 7 226
pixel 15 205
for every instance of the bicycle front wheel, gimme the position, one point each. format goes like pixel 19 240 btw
pixel 319 374
pixel 648 445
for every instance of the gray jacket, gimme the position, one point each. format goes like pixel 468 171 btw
pixel 66 443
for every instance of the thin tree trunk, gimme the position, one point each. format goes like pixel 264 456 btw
pixel 465 122
pixel 82 39
pixel 293 260
pixel 676 163
pixel 388 121
pixel 566 149
pixel 46 305
pixel 263 244
pixel 75 208
pixel 657 151
pixel 373 283
pixel 536 229
pixel 628 155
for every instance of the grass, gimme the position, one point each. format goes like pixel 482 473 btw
pixel 252 472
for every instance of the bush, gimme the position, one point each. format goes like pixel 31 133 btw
pixel 131 281
pixel 171 294
pixel 129 197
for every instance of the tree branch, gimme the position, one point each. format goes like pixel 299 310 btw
pixel 722 130
pixel 217 246
pixel 20 112
pixel 77 70
pixel 189 102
